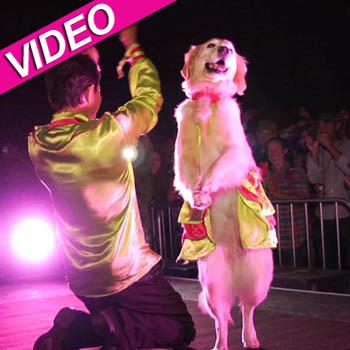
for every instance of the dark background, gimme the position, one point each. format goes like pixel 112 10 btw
pixel 297 54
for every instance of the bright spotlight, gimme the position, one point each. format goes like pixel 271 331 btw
pixel 130 153
pixel 33 240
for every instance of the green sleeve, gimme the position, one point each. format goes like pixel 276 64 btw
pixel 140 114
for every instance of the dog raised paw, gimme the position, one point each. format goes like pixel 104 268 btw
pixel 201 200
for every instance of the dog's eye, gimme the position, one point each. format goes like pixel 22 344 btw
pixel 211 45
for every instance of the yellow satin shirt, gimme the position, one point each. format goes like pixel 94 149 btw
pixel 92 188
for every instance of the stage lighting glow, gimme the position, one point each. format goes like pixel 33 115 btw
pixel 130 153
pixel 33 240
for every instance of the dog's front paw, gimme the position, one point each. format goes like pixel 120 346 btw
pixel 201 199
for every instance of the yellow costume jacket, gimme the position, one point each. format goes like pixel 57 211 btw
pixel 255 216
pixel 92 188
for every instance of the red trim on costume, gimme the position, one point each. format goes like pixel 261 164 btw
pixel 213 97
pixel 194 232
pixel 137 58
pixel 135 49
pixel 64 122
pixel 253 180
pixel 76 121
pixel 248 194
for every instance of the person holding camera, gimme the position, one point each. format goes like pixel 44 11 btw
pixel 328 165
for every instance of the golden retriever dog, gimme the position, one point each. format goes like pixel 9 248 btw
pixel 212 158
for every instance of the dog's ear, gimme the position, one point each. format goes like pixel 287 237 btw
pixel 239 78
pixel 190 57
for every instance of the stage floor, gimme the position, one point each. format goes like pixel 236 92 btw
pixel 288 320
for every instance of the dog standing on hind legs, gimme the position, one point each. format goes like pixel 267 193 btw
pixel 227 219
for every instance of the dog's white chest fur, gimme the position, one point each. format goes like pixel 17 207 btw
pixel 210 131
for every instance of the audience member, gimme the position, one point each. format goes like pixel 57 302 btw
pixel 266 129
pixel 295 134
pixel 160 180
pixel 328 165
pixel 285 181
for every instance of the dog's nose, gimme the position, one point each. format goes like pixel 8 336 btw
pixel 223 50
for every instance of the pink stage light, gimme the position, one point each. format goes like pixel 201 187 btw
pixel 33 240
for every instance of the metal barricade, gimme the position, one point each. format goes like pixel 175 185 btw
pixel 167 231
pixel 317 217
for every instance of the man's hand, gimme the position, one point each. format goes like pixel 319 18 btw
pixel 128 36
pixel 313 146
pixel 324 140
pixel 328 144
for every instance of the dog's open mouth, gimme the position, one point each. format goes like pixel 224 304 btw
pixel 219 67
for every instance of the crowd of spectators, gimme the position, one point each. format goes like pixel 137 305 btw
pixel 309 159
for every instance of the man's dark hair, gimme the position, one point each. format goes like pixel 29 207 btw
pixel 66 82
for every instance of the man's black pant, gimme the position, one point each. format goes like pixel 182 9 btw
pixel 148 314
